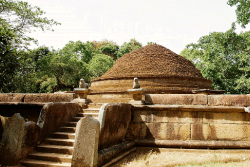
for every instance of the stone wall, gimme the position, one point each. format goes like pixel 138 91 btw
pixel 198 99
pixel 36 97
pixel 172 123
pixel 210 118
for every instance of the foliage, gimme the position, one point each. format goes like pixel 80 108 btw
pixel 223 58
pixel 128 47
pixel 83 51
pixel 8 59
pixel 17 18
pixel 21 18
pixel 28 76
pixel 99 64
pixel 242 11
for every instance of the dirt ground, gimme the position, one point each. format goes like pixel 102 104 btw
pixel 160 157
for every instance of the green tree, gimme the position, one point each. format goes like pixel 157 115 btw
pixel 128 47
pixel 28 76
pixel 242 11
pixel 223 58
pixel 99 64
pixel 8 59
pixel 22 18
pixel 61 72
pixel 17 19
pixel 106 47
pixel 83 51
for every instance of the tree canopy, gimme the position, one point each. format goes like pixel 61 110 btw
pixel 223 58
pixel 17 19
pixel 242 11
pixel 22 18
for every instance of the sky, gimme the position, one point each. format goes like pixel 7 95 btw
pixel 170 23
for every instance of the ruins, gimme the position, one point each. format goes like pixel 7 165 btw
pixel 151 97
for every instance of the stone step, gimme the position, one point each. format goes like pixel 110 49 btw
pixel 63 135
pixel 55 149
pixel 94 115
pixel 76 119
pixel 89 110
pixel 50 157
pixel 67 129
pixel 63 142
pixel 95 105
pixel 39 163
pixel 71 124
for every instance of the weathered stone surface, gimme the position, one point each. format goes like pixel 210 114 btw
pixel 31 138
pixel 176 99
pixel 55 115
pixel 48 97
pixel 105 155
pixel 227 132
pixel 86 143
pixel 36 97
pixel 110 98
pixel 10 151
pixel 193 143
pixel 165 131
pixel 11 97
pixel 133 131
pixel 82 102
pixel 167 116
pixel 114 120
pixel 226 118
pixel 142 115
pixel 177 116
pixel 229 100
pixel 3 121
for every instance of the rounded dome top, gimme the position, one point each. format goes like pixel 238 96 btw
pixel 151 61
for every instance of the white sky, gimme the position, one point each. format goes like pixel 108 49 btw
pixel 171 23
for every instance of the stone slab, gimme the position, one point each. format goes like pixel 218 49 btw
pixel 194 144
pixel 229 100
pixel 114 120
pixel 176 99
pixel 106 155
pixel 166 116
pixel 11 97
pixel 48 97
pixel 227 132
pixel 226 118
pixel 10 151
pixel 86 143
pixel 31 138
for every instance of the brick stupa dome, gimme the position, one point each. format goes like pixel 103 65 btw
pixel 159 71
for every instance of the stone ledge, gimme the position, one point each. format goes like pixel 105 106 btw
pixel 190 108
pixel 22 103
pixel 192 144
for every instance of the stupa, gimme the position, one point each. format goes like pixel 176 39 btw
pixel 158 69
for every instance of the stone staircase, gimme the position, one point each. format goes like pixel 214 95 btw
pixel 57 151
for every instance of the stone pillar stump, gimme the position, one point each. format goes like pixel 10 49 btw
pixel 137 96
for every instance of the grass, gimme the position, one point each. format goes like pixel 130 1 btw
pixel 185 158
